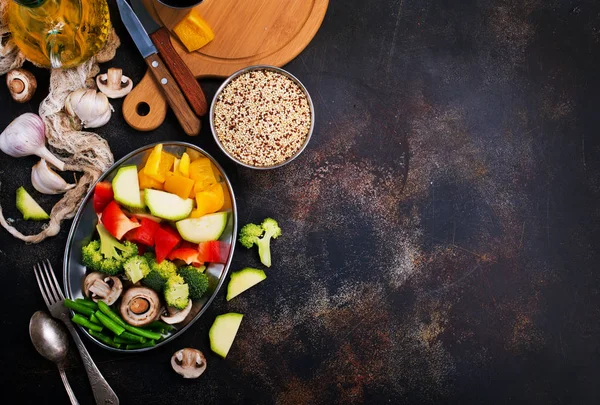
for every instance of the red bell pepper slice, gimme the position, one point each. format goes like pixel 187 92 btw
pixel 116 222
pixel 103 195
pixel 188 255
pixel 165 240
pixel 144 234
pixel 214 251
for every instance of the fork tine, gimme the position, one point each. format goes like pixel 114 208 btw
pixel 52 287
pixel 42 290
pixel 46 282
pixel 58 289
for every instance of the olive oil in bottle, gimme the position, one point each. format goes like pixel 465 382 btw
pixel 59 33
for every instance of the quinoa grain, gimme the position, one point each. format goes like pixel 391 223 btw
pixel 262 118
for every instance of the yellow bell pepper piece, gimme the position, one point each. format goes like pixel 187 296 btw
pixel 177 184
pixel 158 169
pixel 193 153
pixel 209 201
pixel 184 165
pixel 193 31
pixel 176 165
pixel 148 182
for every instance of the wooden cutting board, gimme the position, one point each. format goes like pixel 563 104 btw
pixel 247 32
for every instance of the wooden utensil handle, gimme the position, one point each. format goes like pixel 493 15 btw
pixel 187 82
pixel 186 117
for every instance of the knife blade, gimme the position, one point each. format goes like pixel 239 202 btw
pixel 162 41
pixel 165 81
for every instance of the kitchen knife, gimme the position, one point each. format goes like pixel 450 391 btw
pixel 165 81
pixel 162 41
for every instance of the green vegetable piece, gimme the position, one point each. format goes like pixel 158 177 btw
pixel 243 280
pixel 196 280
pixel 29 207
pixel 80 320
pixel 136 268
pixel 126 187
pixel 87 303
pixel 133 338
pixel 158 325
pixel 104 339
pixel 95 320
pixel 167 205
pixel 149 343
pixel 252 234
pixel 109 323
pixel 105 309
pixel 107 255
pixel 176 292
pixel 102 306
pixel 223 331
pixel 82 309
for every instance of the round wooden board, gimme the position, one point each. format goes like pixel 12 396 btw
pixel 249 32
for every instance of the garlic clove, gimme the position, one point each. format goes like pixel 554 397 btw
pixel 46 181
pixel 91 107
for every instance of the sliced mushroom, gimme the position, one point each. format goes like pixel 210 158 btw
pixel 114 84
pixel 21 85
pixel 177 315
pixel 190 363
pixel 99 287
pixel 139 306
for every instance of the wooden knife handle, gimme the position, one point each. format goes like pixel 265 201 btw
pixel 182 74
pixel 186 117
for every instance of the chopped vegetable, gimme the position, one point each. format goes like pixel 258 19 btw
pixel 208 201
pixel 103 194
pixel 250 235
pixel 165 240
pixel 184 165
pixel 214 251
pixel 116 222
pixel 196 280
pixel 223 331
pixel 168 205
pixel 148 182
pixel 176 292
pixel 86 323
pixel 243 280
pixel 75 306
pixel 109 323
pixel 188 255
pixel 136 268
pixel 203 229
pixel 107 254
pixel 179 185
pixel 193 31
pixel 29 207
pixel 144 234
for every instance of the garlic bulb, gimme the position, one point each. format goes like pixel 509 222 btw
pixel 90 106
pixel 46 181
pixel 26 135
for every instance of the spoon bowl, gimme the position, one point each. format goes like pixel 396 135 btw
pixel 48 337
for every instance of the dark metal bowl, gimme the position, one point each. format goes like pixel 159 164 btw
pixel 84 226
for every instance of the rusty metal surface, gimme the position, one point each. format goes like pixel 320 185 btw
pixel 440 230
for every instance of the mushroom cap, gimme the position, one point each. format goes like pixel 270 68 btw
pixel 89 280
pixel 139 306
pixel 188 362
pixel 176 315
pixel 102 287
pixel 21 85
pixel 114 84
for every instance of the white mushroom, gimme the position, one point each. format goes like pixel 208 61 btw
pixel 139 306
pixel 21 85
pixel 177 315
pixel 190 363
pixel 100 288
pixel 114 84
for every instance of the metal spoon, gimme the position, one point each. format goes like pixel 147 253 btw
pixel 51 341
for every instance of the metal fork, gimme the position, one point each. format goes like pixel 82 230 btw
pixel 54 299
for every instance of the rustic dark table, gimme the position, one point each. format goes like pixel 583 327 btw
pixel 440 232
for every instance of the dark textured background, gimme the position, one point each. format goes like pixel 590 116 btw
pixel 440 232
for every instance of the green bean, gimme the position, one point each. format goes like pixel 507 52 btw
pixel 131 338
pixel 159 326
pixel 149 343
pixel 109 323
pixel 94 319
pixel 103 338
pixel 77 307
pixel 87 303
pixel 143 332
pixel 83 321
pixel 110 313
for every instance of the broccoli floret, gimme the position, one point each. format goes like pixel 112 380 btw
pixel 252 234
pixel 154 280
pixel 196 280
pixel 176 292
pixel 165 268
pixel 107 255
pixel 136 268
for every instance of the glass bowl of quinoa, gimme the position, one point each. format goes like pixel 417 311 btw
pixel 262 117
